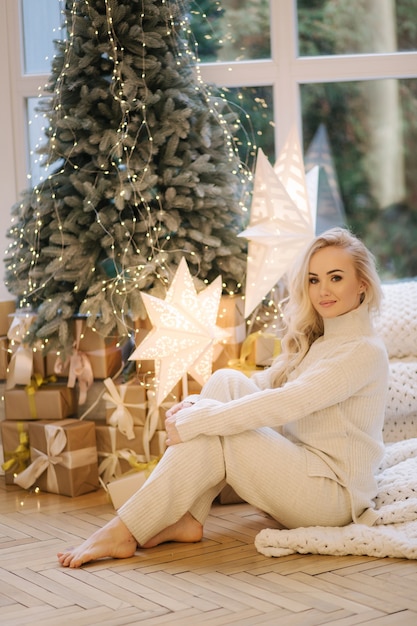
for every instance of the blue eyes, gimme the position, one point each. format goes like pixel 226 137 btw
pixel 314 281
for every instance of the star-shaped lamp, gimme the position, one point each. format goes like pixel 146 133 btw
pixel 184 336
pixel 330 209
pixel 282 221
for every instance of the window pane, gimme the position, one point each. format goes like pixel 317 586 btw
pixel 254 109
pixel 231 30
pixel 37 125
pixel 372 133
pixel 327 27
pixel 41 22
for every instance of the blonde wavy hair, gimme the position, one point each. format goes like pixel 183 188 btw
pixel 303 325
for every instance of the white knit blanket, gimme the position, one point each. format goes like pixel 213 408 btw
pixel 394 534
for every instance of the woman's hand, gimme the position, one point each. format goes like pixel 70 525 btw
pixel 173 436
pixel 177 407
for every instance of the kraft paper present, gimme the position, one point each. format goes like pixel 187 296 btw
pixel 52 401
pixel 118 455
pixel 104 354
pixel 264 349
pixel 7 308
pixel 4 357
pixel 16 452
pixel 63 458
pixel 121 489
pixel 232 319
pixel 38 359
pixel 25 360
pixel 126 405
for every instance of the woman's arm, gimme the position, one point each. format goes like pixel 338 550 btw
pixel 325 383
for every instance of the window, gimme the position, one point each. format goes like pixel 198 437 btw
pixel 349 68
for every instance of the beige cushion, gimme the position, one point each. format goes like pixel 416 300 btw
pixel 397 320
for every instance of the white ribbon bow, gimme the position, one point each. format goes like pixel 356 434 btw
pixel 21 363
pixel 56 440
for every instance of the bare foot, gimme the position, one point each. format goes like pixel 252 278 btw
pixel 114 540
pixel 186 530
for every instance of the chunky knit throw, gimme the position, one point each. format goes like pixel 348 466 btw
pixel 394 534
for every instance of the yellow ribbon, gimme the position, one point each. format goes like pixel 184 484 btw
pixel 17 460
pixel 138 466
pixel 246 362
pixel 36 382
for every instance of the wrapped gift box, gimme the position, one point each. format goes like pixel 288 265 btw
pixel 231 317
pixel 52 401
pixel 4 357
pixel 126 401
pixel 118 455
pixel 38 359
pixel 103 353
pixel 63 458
pixel 122 488
pixel 266 348
pixel 16 453
pixel 7 308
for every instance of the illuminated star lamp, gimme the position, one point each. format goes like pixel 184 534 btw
pixel 330 209
pixel 184 338
pixel 282 220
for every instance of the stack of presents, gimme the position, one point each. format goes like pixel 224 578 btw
pixel 93 422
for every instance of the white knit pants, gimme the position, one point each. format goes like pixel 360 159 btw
pixel 262 466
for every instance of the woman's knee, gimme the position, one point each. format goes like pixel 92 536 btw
pixel 228 384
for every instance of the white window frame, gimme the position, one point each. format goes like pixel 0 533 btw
pixel 284 72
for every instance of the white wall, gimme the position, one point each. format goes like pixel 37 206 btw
pixel 8 183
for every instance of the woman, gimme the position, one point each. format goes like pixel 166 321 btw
pixel 300 440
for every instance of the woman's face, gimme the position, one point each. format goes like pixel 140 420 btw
pixel 334 288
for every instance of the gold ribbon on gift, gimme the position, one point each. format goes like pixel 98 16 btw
pixel 121 416
pixel 79 366
pixel 21 363
pixel 56 441
pixel 109 468
pixel 36 382
pixel 17 460
pixel 143 466
pixel 246 362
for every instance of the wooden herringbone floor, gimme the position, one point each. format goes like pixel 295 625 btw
pixel 222 580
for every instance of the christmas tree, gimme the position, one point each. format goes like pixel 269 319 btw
pixel 143 171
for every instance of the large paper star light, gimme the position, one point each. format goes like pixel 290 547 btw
pixel 184 336
pixel 282 221
pixel 330 209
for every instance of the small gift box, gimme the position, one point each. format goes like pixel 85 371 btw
pixel 104 354
pixel 4 357
pixel 25 360
pixel 258 351
pixel 63 458
pixel 39 401
pixel 16 453
pixel 126 406
pixel 265 347
pixel 118 455
pixel 7 308
pixel 121 489
pixel 231 318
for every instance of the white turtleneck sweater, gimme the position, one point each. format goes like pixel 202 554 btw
pixel 333 405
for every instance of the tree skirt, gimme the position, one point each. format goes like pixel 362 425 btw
pixel 394 533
